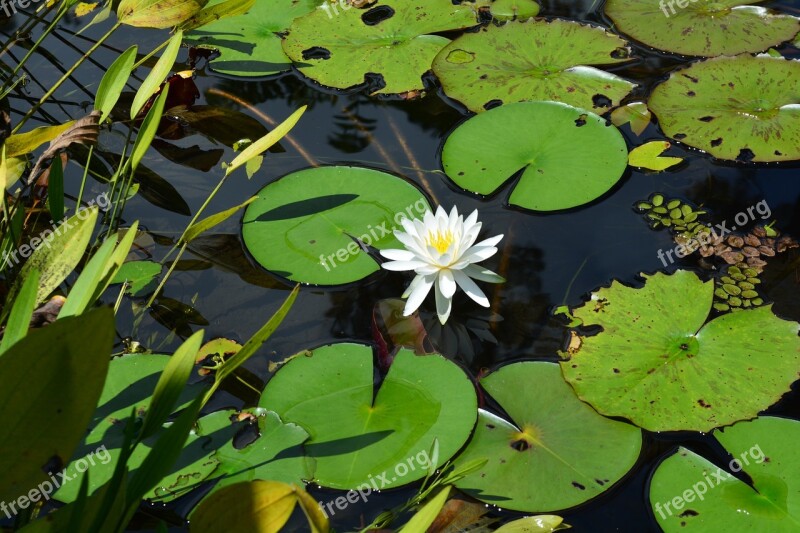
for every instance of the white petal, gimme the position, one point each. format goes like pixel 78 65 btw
pixel 403 265
pixel 428 269
pixel 410 242
pixel 472 290
pixel 478 253
pixel 443 305
pixel 418 294
pixel 413 285
pixel 398 255
pixel 409 226
pixel 471 220
pixel 491 241
pixel 447 283
pixel 482 274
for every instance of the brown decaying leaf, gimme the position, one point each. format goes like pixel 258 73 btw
pixel 84 131
pixel 457 515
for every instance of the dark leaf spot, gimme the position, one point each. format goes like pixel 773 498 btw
pixel 716 142
pixel 578 485
pixel 703 404
pixel 688 512
pixel 490 426
pixel 706 119
pixel 691 93
pixel 520 445
pixel 616 370
pixel 376 15
pixel 777 152
pixel 601 100
pixel 484 76
pixel 316 52
pixel 581 120
pixel 745 155
pixel 694 80
pixel 491 104
pixel 680 136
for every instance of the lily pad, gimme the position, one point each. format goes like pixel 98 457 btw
pixel 130 384
pixel 304 226
pixel 249 44
pixel 689 493
pixel 358 438
pixel 648 156
pixel 536 60
pixel 702 27
pixel 744 108
pixel 636 114
pixel 659 364
pixel 276 454
pixel 392 39
pixel 538 460
pixel 568 156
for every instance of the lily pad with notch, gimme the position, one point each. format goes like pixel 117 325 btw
pixel 356 433
pixel 706 28
pixel 536 60
pixel 567 156
pixel 740 109
pixel 538 460
pixel 305 226
pixel 659 364
pixel 394 40
pixel 710 498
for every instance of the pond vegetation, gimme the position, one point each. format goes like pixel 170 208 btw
pixel 544 276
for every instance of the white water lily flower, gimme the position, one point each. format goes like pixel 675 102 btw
pixel 440 249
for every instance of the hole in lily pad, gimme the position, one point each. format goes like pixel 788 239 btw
pixel 316 52
pixel 376 15
pixel 491 104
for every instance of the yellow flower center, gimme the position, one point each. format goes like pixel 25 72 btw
pixel 440 240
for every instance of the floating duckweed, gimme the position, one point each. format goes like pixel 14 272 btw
pixel 722 307
pixel 675 213
pixel 734 301
pixel 733 290
pixel 721 294
pixel 673 204
pixel 749 294
pixel 657 200
pixel 757 301
pixel 754 281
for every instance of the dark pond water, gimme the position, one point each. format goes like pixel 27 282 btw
pixel 549 260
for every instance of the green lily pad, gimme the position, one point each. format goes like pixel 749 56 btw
pixel 514 9
pixel 536 60
pixel 659 364
pixel 357 440
pixel 392 38
pixel 130 384
pixel 276 455
pixel 568 156
pixel 303 226
pixel 249 44
pixel 689 493
pixel 538 461
pixel 704 27
pixel 744 108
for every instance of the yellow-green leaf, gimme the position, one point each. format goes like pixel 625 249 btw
pixel 265 142
pixel 636 114
pixel 423 518
pixel 114 81
pixel 159 14
pixel 157 76
pixel 207 223
pixel 255 506
pixel 647 156
pixel 229 8
pixel 545 523
pixel 25 143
